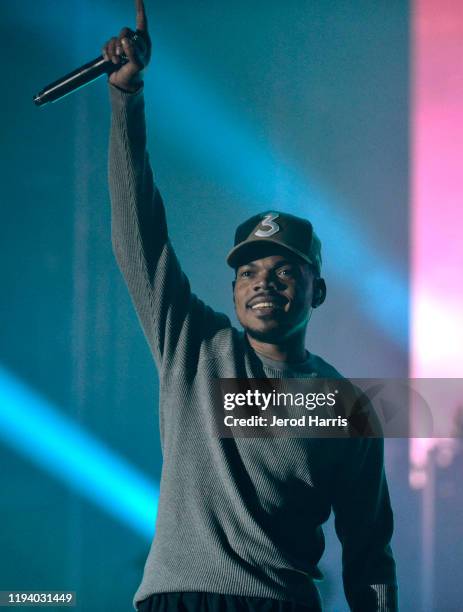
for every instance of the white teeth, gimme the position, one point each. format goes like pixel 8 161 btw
pixel 265 305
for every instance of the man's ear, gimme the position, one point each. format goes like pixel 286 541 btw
pixel 233 286
pixel 319 292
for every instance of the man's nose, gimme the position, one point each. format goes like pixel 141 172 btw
pixel 264 280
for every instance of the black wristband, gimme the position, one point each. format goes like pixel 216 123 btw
pixel 128 91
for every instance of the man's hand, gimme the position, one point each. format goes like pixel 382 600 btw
pixel 129 75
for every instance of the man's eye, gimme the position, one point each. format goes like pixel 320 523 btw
pixel 285 272
pixel 245 273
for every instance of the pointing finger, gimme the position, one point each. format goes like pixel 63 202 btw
pixel 142 21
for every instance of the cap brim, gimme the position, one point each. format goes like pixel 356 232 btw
pixel 249 251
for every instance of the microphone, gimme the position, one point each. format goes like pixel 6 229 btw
pixel 80 77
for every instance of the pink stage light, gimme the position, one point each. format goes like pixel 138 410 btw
pixel 437 204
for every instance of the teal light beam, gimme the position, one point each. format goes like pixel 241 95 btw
pixel 32 426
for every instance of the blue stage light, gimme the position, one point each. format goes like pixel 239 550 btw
pixel 29 424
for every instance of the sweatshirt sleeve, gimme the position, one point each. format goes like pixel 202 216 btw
pixel 364 525
pixel 173 319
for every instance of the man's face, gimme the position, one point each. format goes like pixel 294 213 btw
pixel 273 296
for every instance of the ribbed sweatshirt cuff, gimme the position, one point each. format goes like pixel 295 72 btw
pixel 124 100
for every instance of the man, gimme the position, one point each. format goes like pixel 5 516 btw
pixel 239 519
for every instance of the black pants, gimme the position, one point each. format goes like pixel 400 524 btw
pixel 215 602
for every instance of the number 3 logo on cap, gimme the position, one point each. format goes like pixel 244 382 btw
pixel 268 221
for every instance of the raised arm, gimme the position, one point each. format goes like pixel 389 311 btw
pixel 174 320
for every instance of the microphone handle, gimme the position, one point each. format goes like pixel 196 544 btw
pixel 78 78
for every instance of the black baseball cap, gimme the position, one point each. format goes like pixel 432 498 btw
pixel 288 231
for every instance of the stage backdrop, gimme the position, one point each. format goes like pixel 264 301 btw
pixel 300 106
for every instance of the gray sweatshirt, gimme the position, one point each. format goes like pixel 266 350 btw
pixel 239 516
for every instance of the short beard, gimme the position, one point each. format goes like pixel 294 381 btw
pixel 270 337
pixel 280 334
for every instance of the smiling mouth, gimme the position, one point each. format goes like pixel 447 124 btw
pixel 267 307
